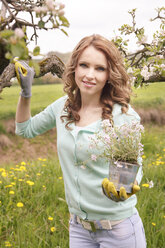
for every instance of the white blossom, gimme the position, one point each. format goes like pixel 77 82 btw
pixel 129 70
pixel 19 33
pixel 50 4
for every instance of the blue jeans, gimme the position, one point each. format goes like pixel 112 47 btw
pixel 127 234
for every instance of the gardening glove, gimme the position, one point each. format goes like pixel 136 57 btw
pixel 111 192
pixel 25 75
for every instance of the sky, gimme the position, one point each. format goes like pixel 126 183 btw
pixel 103 17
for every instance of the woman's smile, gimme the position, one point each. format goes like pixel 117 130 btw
pixel 88 83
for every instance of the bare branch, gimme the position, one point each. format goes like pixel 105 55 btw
pixel 49 64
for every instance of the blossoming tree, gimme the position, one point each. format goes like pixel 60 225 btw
pixel 39 14
pixel 147 64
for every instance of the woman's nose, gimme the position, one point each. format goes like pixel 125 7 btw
pixel 90 73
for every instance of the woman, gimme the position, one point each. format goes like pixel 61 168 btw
pixel 97 88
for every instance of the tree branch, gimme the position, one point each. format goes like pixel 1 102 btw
pixel 49 64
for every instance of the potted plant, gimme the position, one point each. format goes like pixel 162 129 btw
pixel 121 147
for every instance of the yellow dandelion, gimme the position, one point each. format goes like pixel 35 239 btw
pixel 20 204
pixel 11 192
pixel 38 174
pixel 23 163
pixel 43 186
pixel 22 168
pixel 27 175
pixel 4 174
pixel 17 165
pixel 8 186
pixel 43 165
pixel 30 183
pixel 60 178
pixel 0 202
pixel 7 244
pixel 153 223
pixel 2 170
pixel 40 159
pixel 0 182
pixel 164 216
pixel 14 178
pixel 53 229
pixel 13 183
pixel 144 156
pixel 50 218
pixel 145 185
pixel 20 179
pixel 44 159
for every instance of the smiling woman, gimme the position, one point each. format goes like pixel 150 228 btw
pixel 100 80
pixel 97 88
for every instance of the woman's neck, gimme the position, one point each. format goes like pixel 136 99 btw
pixel 90 103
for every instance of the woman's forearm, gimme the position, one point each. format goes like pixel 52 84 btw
pixel 23 112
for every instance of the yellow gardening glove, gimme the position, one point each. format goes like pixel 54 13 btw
pixel 19 66
pixel 111 192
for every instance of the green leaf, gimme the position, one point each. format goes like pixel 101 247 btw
pixel 64 31
pixel 41 24
pixel 36 51
pixel 6 33
pixel 8 55
pixel 17 50
pixel 64 21
pixel 35 65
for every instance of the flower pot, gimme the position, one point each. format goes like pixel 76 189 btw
pixel 123 174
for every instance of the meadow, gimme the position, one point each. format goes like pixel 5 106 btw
pixel 33 211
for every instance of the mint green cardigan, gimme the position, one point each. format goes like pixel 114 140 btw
pixel 83 189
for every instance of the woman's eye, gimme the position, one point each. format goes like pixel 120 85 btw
pixel 101 68
pixel 83 65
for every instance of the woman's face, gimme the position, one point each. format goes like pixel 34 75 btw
pixel 91 72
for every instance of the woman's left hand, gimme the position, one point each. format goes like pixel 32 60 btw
pixel 111 192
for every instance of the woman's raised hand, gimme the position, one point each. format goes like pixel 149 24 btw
pixel 25 75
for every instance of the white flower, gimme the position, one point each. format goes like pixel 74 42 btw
pixel 42 9
pixel 151 184
pixel 50 4
pixel 19 33
pixel 145 73
pixel 160 56
pixel 93 157
pixel 61 13
pixel 129 70
pixel 162 66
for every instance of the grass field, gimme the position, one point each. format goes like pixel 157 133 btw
pixel 33 211
pixel 151 96
pixel 33 208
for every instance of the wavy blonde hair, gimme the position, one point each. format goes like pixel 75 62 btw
pixel 118 90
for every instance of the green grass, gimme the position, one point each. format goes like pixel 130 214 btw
pixel 43 95
pixel 151 96
pixel 29 226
